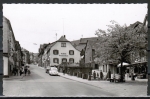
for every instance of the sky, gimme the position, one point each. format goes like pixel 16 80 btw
pixel 35 24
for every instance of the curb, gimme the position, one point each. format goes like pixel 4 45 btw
pixel 81 82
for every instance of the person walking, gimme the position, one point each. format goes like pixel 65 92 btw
pixel 101 75
pixel 109 74
pixel 20 71
pixel 63 71
pixel 25 70
pixel 17 71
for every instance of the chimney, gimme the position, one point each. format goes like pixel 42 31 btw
pixel 64 36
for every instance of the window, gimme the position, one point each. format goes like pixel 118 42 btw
pixel 71 60
pixel 56 60
pixel 71 52
pixel 55 52
pixel 64 60
pixel 63 44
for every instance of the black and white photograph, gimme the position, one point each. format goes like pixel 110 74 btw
pixel 75 50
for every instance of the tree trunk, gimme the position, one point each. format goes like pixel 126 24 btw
pixel 121 79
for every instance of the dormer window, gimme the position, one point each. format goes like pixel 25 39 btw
pixel 63 44
pixel 55 52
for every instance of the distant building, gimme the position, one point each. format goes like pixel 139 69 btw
pixel 31 57
pixel 19 54
pixel 26 56
pixel 40 54
pixel 35 58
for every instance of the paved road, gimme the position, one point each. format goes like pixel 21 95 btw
pixel 41 84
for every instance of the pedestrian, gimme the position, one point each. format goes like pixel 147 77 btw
pixel 94 75
pixel 14 71
pixel 25 70
pixel 64 71
pixel 98 75
pixel 21 71
pixel 17 71
pixel 101 74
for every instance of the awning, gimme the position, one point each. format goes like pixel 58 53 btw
pixel 124 64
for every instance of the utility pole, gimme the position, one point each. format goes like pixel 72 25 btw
pixel 56 33
pixel 63 26
pixel 56 36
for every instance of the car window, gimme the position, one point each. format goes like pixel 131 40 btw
pixel 54 68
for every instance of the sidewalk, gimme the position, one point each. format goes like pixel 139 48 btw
pixel 14 77
pixel 137 88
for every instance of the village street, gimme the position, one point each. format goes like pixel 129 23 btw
pixel 41 84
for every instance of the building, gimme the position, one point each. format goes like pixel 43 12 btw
pixel 11 49
pixel 60 51
pixel 87 47
pixel 35 58
pixel 19 54
pixel 31 58
pixel 40 54
pixel 26 56
pixel 139 61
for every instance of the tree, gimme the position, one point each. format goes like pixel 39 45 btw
pixel 118 44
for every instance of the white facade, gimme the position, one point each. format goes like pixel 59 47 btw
pixel 63 52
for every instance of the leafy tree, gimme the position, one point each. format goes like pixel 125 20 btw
pixel 118 43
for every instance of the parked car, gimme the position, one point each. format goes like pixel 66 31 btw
pixel 53 71
pixel 47 69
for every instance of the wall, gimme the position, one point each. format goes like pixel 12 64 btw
pixel 5 66
pixel 88 53
pixel 5 35
pixel 66 49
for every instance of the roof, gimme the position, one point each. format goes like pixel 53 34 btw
pixel 62 39
pixel 134 25
pixel 84 40
pixel 76 42
pixel 50 46
pixel 80 47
